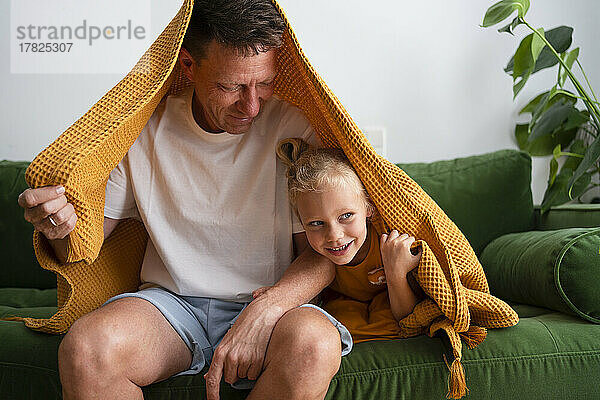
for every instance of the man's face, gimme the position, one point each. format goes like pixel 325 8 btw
pixel 230 89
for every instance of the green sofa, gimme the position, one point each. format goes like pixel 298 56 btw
pixel 547 267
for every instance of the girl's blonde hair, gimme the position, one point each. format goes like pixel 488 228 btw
pixel 311 169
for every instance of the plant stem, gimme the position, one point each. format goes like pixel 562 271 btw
pixel 594 111
pixel 583 98
pixel 558 77
pixel 571 155
pixel 588 82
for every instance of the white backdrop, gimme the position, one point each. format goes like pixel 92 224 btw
pixel 424 71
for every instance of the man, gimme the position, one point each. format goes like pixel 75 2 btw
pixel 204 179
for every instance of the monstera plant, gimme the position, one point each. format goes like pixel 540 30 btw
pixel 557 126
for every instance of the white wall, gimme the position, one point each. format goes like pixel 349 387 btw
pixel 424 70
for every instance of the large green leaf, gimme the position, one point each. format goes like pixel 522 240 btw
pixel 551 119
pixel 537 44
pixel 524 63
pixel 560 38
pixel 558 193
pixel 542 146
pixel 591 157
pixel 576 118
pixel 518 86
pixel 559 95
pixel 542 106
pixel 571 57
pixel 532 105
pixel 504 9
pixel 523 60
pixel 542 102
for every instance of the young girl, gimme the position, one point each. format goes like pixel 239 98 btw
pixel 335 210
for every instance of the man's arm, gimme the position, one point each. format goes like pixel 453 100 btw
pixel 300 243
pixel 109 225
pixel 244 346
pixel 305 278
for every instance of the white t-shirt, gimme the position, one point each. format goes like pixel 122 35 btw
pixel 215 205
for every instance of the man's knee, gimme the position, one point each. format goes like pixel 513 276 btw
pixel 308 339
pixel 87 348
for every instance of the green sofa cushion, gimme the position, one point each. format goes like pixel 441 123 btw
pixel 532 359
pixel 19 267
pixel 21 297
pixel 568 216
pixel 20 302
pixel 28 362
pixel 486 195
pixel 557 269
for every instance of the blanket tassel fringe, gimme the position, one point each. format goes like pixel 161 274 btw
pixel 457 387
pixel 11 319
pixel 474 336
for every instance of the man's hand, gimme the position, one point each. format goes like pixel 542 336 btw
pixel 49 212
pixel 242 351
pixel 260 291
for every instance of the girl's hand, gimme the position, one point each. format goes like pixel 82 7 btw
pixel 398 260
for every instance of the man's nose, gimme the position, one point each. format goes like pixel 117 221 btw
pixel 249 103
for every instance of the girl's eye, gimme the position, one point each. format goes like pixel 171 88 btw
pixel 346 215
pixel 315 223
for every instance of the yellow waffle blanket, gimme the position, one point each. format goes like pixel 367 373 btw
pixel 82 157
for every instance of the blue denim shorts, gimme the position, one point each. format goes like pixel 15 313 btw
pixel 202 322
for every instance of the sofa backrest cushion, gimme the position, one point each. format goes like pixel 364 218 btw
pixel 486 195
pixel 18 265
pixel 555 269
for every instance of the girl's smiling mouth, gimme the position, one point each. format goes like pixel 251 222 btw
pixel 341 250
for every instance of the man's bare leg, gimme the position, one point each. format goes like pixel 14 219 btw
pixel 304 353
pixel 113 351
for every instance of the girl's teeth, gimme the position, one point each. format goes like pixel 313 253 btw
pixel 340 248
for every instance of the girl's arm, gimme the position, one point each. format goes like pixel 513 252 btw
pixel 402 298
pixel 398 261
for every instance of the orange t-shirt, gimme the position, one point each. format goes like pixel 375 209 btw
pixel 359 297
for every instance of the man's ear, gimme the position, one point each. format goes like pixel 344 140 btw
pixel 187 63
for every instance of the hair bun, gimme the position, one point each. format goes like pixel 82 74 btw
pixel 290 150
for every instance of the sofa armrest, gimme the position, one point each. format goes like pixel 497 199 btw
pixel 568 216
pixel 555 269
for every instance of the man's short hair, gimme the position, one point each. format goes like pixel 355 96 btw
pixel 248 26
